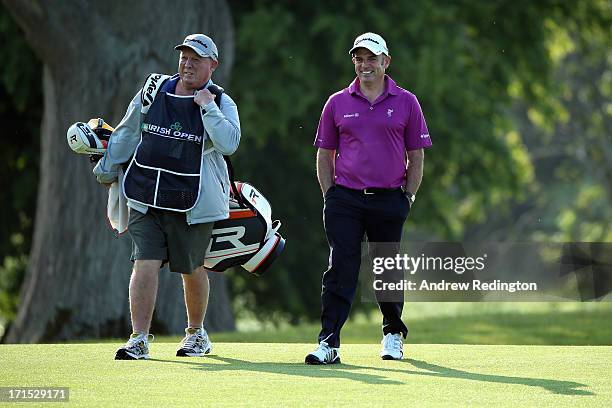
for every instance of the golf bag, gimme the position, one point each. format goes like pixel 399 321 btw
pixel 248 238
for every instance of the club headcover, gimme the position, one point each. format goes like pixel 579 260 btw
pixel 89 138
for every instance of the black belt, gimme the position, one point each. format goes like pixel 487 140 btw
pixel 373 190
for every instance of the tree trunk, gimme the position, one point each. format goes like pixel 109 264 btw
pixel 96 56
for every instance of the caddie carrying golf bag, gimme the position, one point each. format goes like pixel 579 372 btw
pixel 248 238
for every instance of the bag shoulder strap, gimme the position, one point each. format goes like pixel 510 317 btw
pixel 218 92
pixel 150 89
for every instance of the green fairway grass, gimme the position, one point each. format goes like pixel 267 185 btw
pixel 273 375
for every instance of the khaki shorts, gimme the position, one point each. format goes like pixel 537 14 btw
pixel 166 236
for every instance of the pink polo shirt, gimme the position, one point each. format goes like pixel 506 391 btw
pixel 371 139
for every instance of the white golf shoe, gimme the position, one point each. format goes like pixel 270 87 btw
pixel 323 355
pixel 136 348
pixel 195 343
pixel 392 347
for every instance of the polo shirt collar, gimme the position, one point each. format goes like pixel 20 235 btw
pixel 390 87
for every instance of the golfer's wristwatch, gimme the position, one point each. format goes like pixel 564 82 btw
pixel 410 196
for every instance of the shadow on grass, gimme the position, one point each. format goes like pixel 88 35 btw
pixel 339 371
pixel 554 386
pixel 347 371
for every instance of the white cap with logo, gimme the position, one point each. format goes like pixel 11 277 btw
pixel 203 45
pixel 372 42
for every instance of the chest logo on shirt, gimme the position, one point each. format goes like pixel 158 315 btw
pixel 389 112
pixel 351 115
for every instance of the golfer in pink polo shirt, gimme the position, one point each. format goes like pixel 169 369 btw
pixel 370 142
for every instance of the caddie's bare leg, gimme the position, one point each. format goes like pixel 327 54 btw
pixel 143 290
pixel 196 289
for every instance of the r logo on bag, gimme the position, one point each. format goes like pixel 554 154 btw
pixel 230 242
pixel 253 197
pixel 218 237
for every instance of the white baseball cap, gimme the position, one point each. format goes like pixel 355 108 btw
pixel 203 45
pixel 372 42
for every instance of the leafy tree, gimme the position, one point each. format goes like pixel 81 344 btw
pixel 20 75
pixel 461 59
pixel 505 87
pixel 570 148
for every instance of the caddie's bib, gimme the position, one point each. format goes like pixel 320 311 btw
pixel 165 170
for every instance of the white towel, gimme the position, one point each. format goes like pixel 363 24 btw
pixel 117 209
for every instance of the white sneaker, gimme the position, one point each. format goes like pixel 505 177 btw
pixel 195 343
pixel 136 348
pixel 392 347
pixel 323 355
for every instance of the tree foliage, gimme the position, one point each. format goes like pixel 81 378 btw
pixel 461 59
pixel 20 75
pixel 516 96
pixel 568 141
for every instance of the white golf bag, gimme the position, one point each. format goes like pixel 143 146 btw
pixel 248 238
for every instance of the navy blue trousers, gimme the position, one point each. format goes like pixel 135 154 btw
pixel 348 216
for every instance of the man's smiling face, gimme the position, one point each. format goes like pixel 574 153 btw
pixel 370 68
